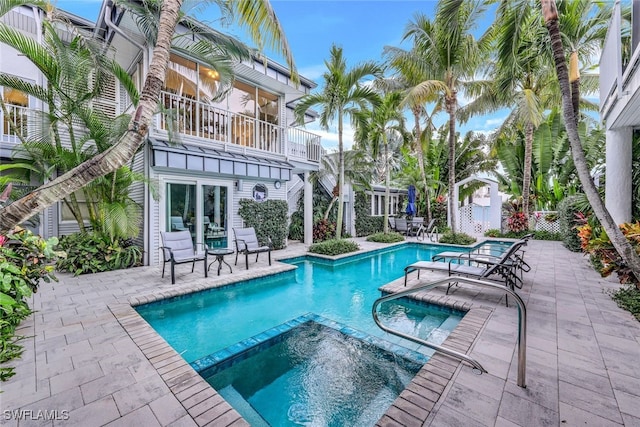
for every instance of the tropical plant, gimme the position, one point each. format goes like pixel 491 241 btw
pixel 386 237
pixel 343 94
pixel 381 132
pixel 94 252
pixel 334 247
pixel 25 260
pixel 454 54
pixel 456 239
pixel 625 250
pixel 256 15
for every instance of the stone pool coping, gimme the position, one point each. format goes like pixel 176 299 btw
pixel 206 406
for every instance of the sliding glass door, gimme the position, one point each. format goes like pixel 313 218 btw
pixel 202 208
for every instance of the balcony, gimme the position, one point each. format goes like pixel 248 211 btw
pixel 15 123
pixel 203 121
pixel 620 72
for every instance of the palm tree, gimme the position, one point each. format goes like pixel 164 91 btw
pixel 257 15
pixel 619 241
pixel 450 48
pixel 381 131
pixel 411 70
pixel 343 94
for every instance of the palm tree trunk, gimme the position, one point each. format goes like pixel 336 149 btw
pixel 387 185
pixel 120 153
pixel 526 176
pixel 619 241
pixel 420 154
pixel 340 178
pixel 451 108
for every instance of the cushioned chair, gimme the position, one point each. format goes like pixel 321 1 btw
pixel 247 243
pixel 463 264
pixel 177 248
pixel 177 224
pixel 401 226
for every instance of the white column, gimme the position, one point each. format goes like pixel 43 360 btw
pixel 308 210
pixel 495 206
pixel 618 174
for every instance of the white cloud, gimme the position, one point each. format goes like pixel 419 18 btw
pixel 330 138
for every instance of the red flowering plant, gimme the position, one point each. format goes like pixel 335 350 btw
pixel 595 242
pixel 517 220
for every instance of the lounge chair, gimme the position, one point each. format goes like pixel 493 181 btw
pixel 505 267
pixel 177 248
pixel 247 243
pixel 392 223
pixel 517 257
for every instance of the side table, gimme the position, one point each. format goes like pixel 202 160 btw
pixel 219 254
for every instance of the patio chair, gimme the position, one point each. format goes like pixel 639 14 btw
pixel 177 224
pixel 247 243
pixel 178 248
pixel 392 223
pixel 401 226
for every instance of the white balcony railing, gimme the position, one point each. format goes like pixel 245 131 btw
pixel 201 120
pixel 16 123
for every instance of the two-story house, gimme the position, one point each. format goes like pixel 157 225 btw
pixel 620 108
pixel 204 153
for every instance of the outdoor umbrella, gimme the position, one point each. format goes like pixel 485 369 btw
pixel 411 197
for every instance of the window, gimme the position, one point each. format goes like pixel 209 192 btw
pixel 14 123
pixel 65 211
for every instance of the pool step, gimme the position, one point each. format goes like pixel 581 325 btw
pixel 241 405
pixel 439 334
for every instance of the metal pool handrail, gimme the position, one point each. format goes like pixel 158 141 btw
pixel 522 323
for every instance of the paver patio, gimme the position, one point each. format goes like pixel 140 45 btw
pixel 93 361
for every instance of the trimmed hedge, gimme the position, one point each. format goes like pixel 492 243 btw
pixel 386 238
pixel 365 223
pixel 334 247
pixel 457 239
pixel 567 210
pixel 269 218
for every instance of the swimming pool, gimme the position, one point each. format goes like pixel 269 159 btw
pixel 202 323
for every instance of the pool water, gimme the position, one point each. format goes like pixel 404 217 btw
pixel 315 376
pixel 202 323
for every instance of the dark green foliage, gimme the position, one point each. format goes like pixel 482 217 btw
pixel 457 239
pixel 94 252
pixel 365 223
pixel 269 218
pixel 386 238
pixel 25 260
pixel 296 228
pixel 493 232
pixel 628 298
pixel 537 235
pixel 439 212
pixel 334 247
pixel 567 210
pixel 324 230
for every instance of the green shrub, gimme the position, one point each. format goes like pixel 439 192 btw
pixel 365 223
pixel 296 228
pixel 547 235
pixel 457 239
pixel 94 252
pixel 25 260
pixel 324 230
pixel 567 210
pixel 628 298
pixel 334 247
pixel 269 218
pixel 386 238
pixel 493 232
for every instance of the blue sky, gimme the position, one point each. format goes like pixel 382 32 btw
pixel 361 27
